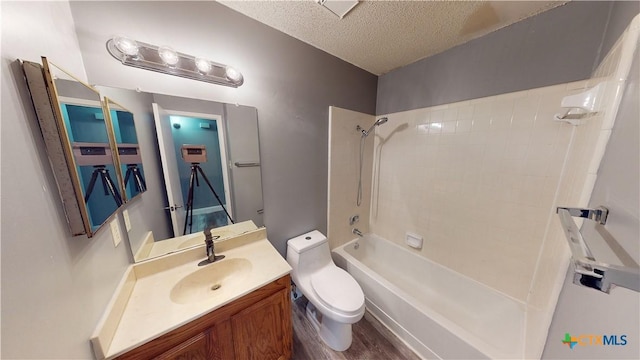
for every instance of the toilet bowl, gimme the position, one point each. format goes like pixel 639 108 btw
pixel 331 291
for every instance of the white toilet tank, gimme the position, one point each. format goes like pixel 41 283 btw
pixel 308 252
pixel 330 290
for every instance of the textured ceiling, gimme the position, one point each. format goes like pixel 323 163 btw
pixel 379 36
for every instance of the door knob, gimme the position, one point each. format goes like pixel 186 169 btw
pixel 173 207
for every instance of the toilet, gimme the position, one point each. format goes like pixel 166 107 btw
pixel 335 299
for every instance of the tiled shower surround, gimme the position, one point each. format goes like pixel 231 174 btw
pixel 477 179
pixel 480 181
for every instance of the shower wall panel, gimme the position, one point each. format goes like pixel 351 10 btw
pixel 344 152
pixel 477 179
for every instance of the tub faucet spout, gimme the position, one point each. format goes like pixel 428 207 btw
pixel 357 232
pixel 208 241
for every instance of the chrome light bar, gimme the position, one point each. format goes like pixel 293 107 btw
pixel 168 61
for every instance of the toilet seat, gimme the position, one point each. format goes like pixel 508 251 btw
pixel 337 290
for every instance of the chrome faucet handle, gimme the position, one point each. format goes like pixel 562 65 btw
pixel 208 237
pixel 207 234
pixel 210 248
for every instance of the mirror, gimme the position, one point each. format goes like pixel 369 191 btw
pixel 79 141
pixel 194 149
pixel 192 163
pixel 128 154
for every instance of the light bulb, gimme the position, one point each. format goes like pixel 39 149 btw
pixel 203 65
pixel 126 46
pixel 233 74
pixel 168 55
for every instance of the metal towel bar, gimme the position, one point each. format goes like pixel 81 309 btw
pixel 589 271
pixel 246 164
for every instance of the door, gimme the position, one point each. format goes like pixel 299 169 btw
pixel 169 169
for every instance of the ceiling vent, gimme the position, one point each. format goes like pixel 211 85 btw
pixel 338 7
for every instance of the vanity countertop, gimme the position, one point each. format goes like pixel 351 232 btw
pixel 151 248
pixel 142 308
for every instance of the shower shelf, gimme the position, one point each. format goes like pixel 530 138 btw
pixel 583 105
pixel 588 271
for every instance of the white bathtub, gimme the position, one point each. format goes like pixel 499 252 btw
pixel 438 312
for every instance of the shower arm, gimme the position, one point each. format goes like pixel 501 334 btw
pixel 378 122
pixel 363 131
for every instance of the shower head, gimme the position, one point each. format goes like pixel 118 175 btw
pixel 378 122
pixel 381 121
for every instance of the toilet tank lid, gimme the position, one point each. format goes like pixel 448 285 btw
pixel 306 241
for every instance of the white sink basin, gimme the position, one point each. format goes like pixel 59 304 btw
pixel 211 280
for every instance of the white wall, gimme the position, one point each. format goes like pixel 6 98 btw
pixel 582 310
pixel 54 286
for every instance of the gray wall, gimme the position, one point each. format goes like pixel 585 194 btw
pixel 292 84
pixel 557 46
pixel 620 15
pixel 54 286
pixel 581 310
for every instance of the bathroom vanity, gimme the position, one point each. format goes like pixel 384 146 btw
pixel 256 326
pixel 171 308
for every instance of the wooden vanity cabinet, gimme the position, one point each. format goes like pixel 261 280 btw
pixel 256 326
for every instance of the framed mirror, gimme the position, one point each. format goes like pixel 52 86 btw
pixel 128 155
pixel 79 141
pixel 96 149
pixel 176 134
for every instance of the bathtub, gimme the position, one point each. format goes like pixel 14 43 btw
pixel 433 309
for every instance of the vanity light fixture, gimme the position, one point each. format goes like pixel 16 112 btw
pixel 168 55
pixel 127 46
pixel 232 74
pixel 203 65
pixel 168 61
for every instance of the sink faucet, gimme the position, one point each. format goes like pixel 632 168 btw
pixel 357 232
pixel 208 241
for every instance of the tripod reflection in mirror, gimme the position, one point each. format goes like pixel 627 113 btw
pixel 130 156
pixel 94 160
pixel 196 154
pixel 98 156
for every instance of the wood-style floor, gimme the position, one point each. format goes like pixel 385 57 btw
pixel 371 340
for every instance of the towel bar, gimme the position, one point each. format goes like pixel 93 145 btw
pixel 246 164
pixel 588 271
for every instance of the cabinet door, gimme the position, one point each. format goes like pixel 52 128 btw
pixel 263 330
pixel 214 343
pixel 196 348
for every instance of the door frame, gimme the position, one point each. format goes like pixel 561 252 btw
pixel 222 140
